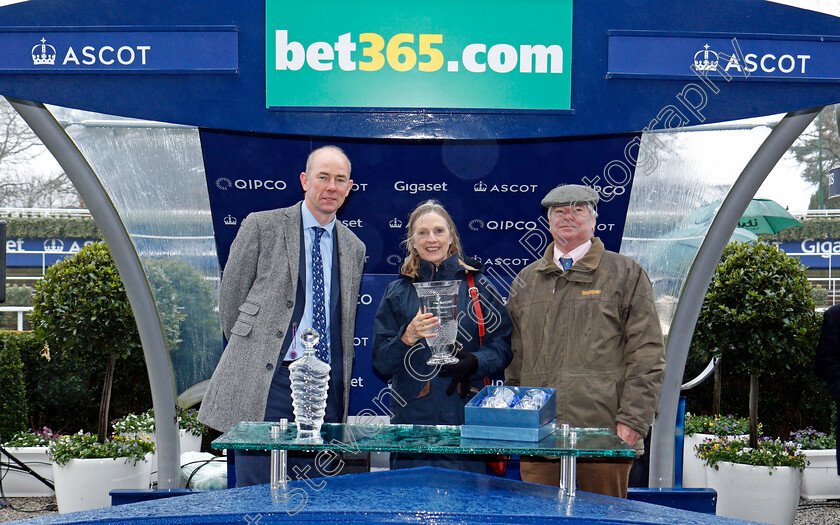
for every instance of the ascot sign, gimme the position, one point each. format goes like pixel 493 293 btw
pixel 408 54
pixel 756 57
pixel 128 49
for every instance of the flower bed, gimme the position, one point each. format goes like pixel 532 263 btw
pixel 716 425
pixel 768 453
pixel 85 445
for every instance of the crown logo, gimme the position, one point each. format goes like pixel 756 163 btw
pixel 704 63
pixel 395 223
pixel 230 220
pixel 480 186
pixel 53 245
pixel 43 54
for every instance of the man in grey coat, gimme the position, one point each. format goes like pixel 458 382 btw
pixel 266 299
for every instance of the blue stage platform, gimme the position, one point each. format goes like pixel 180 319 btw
pixel 423 495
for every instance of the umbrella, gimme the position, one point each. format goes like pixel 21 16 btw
pixel 684 242
pixel 766 216
pixel 761 216
pixel 672 251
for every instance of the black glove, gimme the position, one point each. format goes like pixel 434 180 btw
pixel 460 372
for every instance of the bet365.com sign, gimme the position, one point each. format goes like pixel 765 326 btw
pixel 419 54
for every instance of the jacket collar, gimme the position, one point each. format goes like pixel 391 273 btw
pixel 582 269
pixel 445 270
pixel 450 268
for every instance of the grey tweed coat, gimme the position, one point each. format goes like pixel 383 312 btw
pixel 256 304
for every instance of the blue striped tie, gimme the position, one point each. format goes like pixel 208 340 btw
pixel 319 313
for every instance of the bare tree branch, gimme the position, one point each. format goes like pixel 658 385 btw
pixel 21 186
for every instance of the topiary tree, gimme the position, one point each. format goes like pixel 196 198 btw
pixel 81 308
pixel 758 315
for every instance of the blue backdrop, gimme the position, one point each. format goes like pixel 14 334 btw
pixel 492 189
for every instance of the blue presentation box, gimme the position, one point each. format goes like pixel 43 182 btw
pixel 509 424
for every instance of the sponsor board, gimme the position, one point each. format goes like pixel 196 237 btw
pixel 431 54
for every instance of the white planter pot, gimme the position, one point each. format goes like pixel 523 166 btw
pixel 820 479
pixel 751 493
pixel 83 484
pixel 19 484
pixel 694 468
pixel 189 442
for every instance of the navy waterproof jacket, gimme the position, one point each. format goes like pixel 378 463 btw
pixel 415 382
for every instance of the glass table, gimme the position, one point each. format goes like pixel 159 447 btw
pixel 567 443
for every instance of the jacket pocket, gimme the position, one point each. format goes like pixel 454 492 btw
pixel 596 334
pixel 241 328
pixel 249 308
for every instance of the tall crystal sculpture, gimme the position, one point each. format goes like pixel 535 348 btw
pixel 441 299
pixel 310 378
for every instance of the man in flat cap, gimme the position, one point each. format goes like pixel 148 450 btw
pixel 584 323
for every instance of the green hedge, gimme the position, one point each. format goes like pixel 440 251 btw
pixel 13 406
pixel 63 393
pixel 59 389
pixel 51 227
pixel 19 295
pixel 820 229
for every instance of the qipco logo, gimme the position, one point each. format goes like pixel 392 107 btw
pixel 224 184
pixel 511 225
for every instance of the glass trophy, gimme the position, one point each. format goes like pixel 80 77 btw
pixel 309 377
pixel 441 299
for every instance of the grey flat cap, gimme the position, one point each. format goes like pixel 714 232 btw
pixel 569 193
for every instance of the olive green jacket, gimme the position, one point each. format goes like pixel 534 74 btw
pixel 592 333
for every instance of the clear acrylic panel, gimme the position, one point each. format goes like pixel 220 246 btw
pixel 672 206
pixel 437 439
pixel 154 175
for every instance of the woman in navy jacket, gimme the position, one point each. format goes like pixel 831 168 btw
pixel 432 396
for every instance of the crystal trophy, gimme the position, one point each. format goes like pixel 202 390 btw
pixel 309 377
pixel 441 299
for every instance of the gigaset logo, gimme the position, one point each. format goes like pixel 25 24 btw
pixel 417 187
